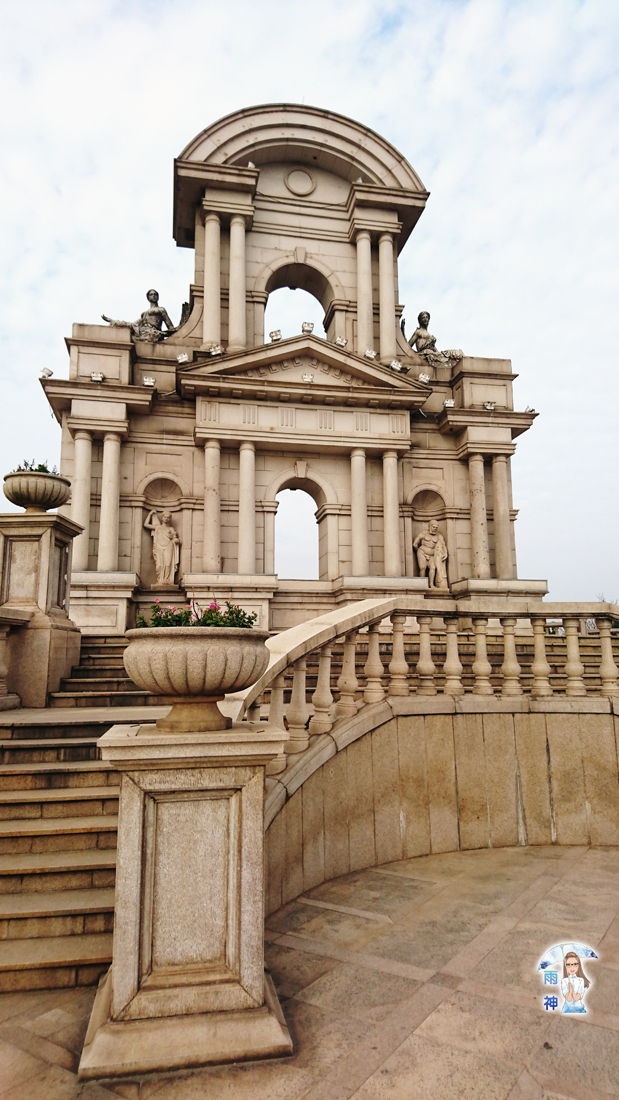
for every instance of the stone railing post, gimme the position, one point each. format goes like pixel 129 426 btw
pixel 540 668
pixel 321 720
pixel 425 665
pixel 347 684
pixel 398 667
pixel 374 671
pixel 452 669
pixel 296 715
pixel 482 668
pixel 574 668
pixel 608 668
pixel 510 668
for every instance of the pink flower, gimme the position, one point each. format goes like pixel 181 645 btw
pixel 156 601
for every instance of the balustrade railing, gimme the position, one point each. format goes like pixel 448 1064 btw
pixel 327 670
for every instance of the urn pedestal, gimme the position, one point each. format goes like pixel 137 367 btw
pixel 187 985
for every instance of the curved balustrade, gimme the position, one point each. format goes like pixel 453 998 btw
pixel 328 669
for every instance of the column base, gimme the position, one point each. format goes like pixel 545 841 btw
pixel 10 701
pixel 126 1048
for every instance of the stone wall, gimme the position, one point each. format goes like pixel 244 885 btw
pixel 427 783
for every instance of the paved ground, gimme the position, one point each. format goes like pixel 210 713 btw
pixel 412 981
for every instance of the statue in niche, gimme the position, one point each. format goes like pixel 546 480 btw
pixel 149 327
pixel 166 546
pixel 425 345
pixel 432 555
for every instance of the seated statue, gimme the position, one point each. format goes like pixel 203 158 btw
pixel 150 325
pixel 432 555
pixel 166 545
pixel 425 345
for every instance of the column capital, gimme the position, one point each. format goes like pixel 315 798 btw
pixel 357 452
pixel 386 237
pixel 81 433
pixel 111 437
pixel 247 446
pixel 211 216
pixel 499 458
pixel 390 454
pixel 237 219
pixel 212 444
pixel 363 235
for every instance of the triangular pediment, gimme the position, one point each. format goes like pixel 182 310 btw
pixel 302 361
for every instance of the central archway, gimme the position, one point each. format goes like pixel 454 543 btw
pixel 303 476
pixel 296 536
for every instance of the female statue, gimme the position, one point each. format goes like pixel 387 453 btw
pixel 150 325
pixel 425 345
pixel 166 545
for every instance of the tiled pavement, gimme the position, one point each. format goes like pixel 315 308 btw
pixel 411 981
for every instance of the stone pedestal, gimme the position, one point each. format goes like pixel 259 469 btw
pixel 187 985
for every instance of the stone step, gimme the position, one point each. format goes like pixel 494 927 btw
pixel 51 750
pixel 35 872
pixel 49 730
pixel 107 699
pixel 87 671
pixel 54 962
pixel 58 834
pixel 59 913
pixel 59 802
pixel 40 777
pixel 96 684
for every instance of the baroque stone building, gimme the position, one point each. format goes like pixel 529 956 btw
pixel 210 422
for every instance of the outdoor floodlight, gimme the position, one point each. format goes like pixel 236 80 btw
pixel 307 377
pixel 275 335
pixel 424 378
pixel 341 341
pixel 395 364
pixel 182 358
pixel 150 382
pixel 369 353
pixel 216 350
pixel 96 376
pixel 307 327
pixel 448 403
pixel 489 406
pixel 46 372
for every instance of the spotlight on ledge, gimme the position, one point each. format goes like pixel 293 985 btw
pixel 46 372
pixel 341 341
pixel 489 406
pixel 182 358
pixel 424 378
pixel 448 403
pixel 275 335
pixel 96 376
pixel 216 350
pixel 307 328
pixel 395 364
pixel 529 409
pixel 369 353
pixel 149 382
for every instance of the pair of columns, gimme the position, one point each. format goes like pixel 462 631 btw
pixel 386 295
pixel 107 560
pixel 237 322
pixel 359 515
pixel 480 555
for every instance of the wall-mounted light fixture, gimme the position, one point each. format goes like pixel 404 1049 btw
pixel 96 376
pixel 275 335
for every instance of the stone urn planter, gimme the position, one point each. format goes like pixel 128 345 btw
pixel 36 491
pixel 193 667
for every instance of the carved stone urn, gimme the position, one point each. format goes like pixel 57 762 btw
pixel 36 491
pixel 193 667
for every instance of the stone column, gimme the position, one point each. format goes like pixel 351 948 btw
pixel 365 315
pixel 359 514
pixel 211 320
pixel 269 509
pixel 480 556
pixel 391 516
pixel 386 285
pixel 107 561
pixel 247 509
pixel 80 498
pixel 502 523
pixel 237 323
pixel 211 559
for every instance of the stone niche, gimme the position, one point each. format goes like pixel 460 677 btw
pixel 162 494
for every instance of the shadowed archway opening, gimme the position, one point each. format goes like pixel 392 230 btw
pixel 296 536
pixel 288 308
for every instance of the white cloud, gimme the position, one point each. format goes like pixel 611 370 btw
pixel 507 109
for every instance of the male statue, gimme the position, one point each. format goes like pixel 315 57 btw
pixel 432 555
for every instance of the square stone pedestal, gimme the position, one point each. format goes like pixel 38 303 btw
pixel 187 985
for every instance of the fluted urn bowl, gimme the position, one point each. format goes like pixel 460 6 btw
pixel 193 667
pixel 36 492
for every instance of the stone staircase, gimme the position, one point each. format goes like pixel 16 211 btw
pixel 100 679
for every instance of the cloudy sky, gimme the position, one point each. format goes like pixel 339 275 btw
pixel 507 109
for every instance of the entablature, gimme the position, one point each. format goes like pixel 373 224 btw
pixel 94 400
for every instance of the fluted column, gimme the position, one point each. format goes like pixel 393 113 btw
pixel 211 319
pixel 211 549
pixel 107 561
pixel 247 509
pixel 359 514
pixel 386 288
pixel 480 556
pixel 365 315
pixel 502 521
pixel 237 323
pixel 80 498
pixel 391 516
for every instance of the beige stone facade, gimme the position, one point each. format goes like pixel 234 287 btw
pixel 212 422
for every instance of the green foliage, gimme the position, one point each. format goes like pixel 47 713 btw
pixel 190 615
pixel 29 468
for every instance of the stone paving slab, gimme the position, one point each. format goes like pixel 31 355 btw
pixel 440 1000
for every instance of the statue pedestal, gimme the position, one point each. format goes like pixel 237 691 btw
pixel 187 986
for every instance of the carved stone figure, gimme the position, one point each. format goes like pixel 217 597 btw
pixel 425 345
pixel 166 546
pixel 432 555
pixel 149 327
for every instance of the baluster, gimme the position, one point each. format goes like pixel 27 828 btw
pixel 540 668
pixel 374 671
pixel 574 667
pixel 481 665
pixel 347 683
pixel 276 707
pixel 608 668
pixel 425 665
pixel 298 736
pixel 452 669
pixel 510 667
pixel 322 698
pixel 253 711
pixel 398 667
